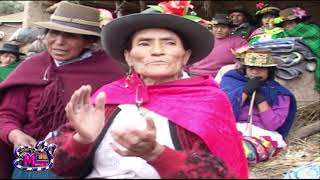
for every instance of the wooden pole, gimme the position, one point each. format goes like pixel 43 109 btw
pixel 142 5
pixel 308 130
pixel 34 11
pixel 249 125
pixel 118 9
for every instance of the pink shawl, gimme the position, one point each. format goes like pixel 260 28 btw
pixel 196 104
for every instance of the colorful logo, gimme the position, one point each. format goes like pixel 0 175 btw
pixel 39 158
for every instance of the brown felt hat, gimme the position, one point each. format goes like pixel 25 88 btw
pixel 74 18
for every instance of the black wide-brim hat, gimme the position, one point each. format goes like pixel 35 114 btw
pixel 222 19
pixel 11 48
pixel 241 9
pixel 116 34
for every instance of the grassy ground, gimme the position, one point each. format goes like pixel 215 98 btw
pixel 299 151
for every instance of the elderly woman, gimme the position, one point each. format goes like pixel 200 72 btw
pixel 157 122
pixel 221 54
pixel 9 59
pixel 34 96
pixel 255 94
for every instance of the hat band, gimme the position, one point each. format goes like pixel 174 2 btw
pixel 86 27
pixel 74 20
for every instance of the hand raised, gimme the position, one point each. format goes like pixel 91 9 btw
pixel 139 143
pixel 87 120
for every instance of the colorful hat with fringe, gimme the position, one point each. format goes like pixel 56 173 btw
pixel 294 13
pixel 266 9
pixel 180 8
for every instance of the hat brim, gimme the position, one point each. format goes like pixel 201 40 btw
pixel 277 60
pixel 225 23
pixel 4 50
pixel 255 65
pixel 116 34
pixel 280 24
pixel 68 29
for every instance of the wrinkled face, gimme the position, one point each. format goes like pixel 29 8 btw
pixel 237 18
pixel 157 54
pixel 7 59
pixel 253 72
pixel 65 46
pixel 289 24
pixel 267 21
pixel 221 31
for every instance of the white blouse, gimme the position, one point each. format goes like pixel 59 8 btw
pixel 109 164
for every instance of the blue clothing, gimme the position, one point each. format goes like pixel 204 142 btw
pixel 233 83
pixel 20 174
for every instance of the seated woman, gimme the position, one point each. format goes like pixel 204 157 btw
pixel 295 22
pixel 157 122
pixel 9 59
pixel 252 88
pixel 265 16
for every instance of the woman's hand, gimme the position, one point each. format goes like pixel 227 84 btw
pixel 139 143
pixel 19 138
pixel 252 85
pixel 87 120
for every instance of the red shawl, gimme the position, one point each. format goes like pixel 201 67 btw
pixel 197 104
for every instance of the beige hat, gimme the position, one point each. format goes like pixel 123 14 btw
pixel 74 18
pixel 258 57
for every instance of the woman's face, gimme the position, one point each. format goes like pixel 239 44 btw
pixel 157 54
pixel 289 24
pixel 65 46
pixel 7 59
pixel 221 31
pixel 253 72
pixel 267 21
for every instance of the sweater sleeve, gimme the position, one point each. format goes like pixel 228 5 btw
pixel 275 116
pixel 198 163
pixel 70 156
pixel 12 111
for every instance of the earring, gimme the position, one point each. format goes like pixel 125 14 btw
pixel 129 74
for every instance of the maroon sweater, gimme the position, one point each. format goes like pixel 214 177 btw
pixel 191 158
pixel 34 96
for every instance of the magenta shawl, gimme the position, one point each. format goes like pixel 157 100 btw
pixel 197 104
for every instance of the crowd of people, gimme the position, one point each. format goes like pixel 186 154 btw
pixel 169 95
